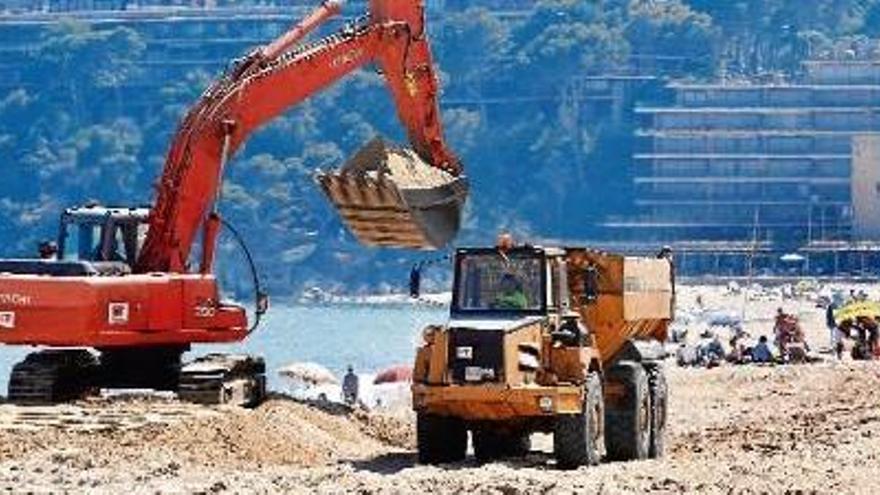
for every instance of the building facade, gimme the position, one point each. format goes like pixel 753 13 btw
pixel 772 165
pixel 865 187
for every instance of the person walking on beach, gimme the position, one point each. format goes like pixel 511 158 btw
pixel 834 332
pixel 350 387
pixel 781 330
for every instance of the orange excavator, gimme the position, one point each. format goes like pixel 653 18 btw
pixel 116 302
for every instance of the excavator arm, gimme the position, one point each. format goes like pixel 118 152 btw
pixel 279 76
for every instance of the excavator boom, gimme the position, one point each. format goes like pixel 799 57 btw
pixel 414 205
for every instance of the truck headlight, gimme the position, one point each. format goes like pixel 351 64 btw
pixel 546 404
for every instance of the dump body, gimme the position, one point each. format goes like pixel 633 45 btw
pixel 635 298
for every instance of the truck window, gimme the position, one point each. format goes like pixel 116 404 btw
pixel 495 282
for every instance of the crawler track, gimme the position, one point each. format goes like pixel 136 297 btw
pixel 57 376
pixel 224 379
pixel 52 376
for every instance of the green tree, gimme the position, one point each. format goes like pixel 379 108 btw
pixel 84 61
pixel 470 48
pixel 672 30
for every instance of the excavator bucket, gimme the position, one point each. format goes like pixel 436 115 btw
pixel 390 197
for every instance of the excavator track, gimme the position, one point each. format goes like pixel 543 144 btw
pixel 226 379
pixel 52 376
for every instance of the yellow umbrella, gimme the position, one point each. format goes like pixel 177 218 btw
pixel 853 310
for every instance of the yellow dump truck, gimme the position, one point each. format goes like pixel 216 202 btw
pixel 566 341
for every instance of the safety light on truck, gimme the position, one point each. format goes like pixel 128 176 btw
pixel 529 356
pixel 528 362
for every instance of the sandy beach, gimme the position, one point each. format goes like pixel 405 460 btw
pixel 733 429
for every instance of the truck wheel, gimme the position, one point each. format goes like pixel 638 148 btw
pixel 577 438
pixel 659 399
pixel 440 439
pixel 491 444
pixel 628 422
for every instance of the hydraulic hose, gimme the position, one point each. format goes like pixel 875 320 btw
pixel 259 294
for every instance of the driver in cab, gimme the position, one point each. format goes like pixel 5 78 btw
pixel 510 293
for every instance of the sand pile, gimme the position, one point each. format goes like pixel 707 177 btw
pixel 409 171
pixel 278 432
pixel 393 429
pixel 402 165
pixel 749 429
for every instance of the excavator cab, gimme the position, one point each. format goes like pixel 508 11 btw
pixel 92 241
pixel 96 234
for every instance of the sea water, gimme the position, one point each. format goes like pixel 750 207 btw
pixel 369 338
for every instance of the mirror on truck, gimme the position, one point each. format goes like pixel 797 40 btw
pixel 415 281
pixel 591 284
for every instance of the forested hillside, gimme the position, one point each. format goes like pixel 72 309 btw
pixel 537 167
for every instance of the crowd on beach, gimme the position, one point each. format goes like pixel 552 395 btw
pixel 853 318
pixel 788 345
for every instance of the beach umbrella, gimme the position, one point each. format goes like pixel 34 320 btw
pixel 394 374
pixel 310 373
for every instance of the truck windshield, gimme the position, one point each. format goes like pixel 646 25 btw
pixel 499 282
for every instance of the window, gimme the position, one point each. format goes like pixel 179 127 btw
pixel 82 242
pixel 127 241
pixel 500 282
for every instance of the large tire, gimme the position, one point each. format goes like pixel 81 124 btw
pixel 519 445
pixel 659 406
pixel 577 438
pixel 628 423
pixel 491 444
pixel 440 439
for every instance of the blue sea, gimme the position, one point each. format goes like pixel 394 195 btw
pixel 370 338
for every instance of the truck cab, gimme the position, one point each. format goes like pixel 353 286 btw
pixel 537 338
pixel 504 297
